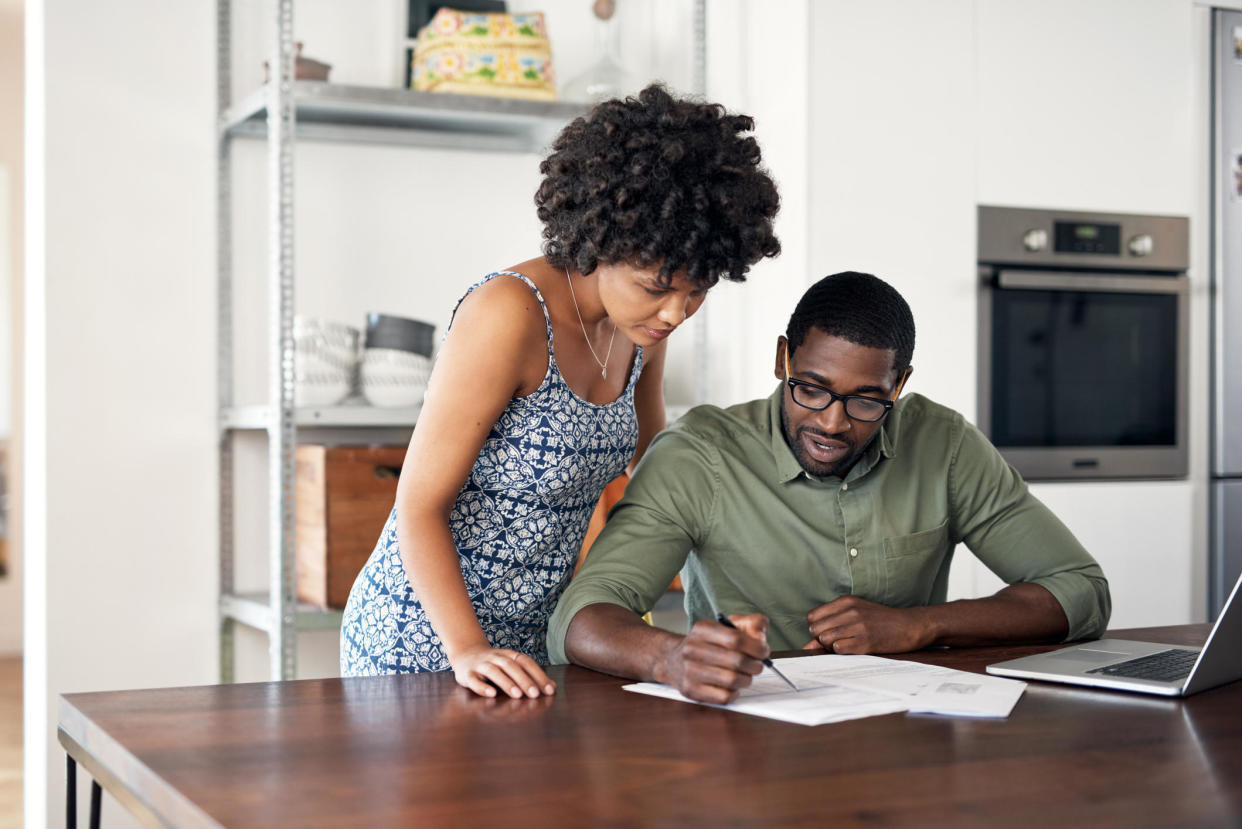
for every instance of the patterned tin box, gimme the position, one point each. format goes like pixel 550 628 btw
pixel 506 55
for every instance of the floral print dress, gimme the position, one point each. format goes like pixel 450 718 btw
pixel 518 523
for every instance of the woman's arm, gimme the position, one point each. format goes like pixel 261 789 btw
pixel 649 399
pixel 495 349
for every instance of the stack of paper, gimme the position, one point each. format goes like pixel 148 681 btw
pixel 833 688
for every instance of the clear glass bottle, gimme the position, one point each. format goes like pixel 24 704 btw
pixel 606 78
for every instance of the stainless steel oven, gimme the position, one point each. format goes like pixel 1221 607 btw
pixel 1083 342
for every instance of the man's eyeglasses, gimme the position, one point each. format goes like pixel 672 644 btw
pixel 818 398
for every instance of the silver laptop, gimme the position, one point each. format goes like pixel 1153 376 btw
pixel 1145 667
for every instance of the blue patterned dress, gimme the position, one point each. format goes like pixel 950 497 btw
pixel 518 523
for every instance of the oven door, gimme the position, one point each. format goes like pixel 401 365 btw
pixel 1084 375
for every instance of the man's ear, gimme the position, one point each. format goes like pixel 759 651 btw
pixel 781 345
pixel 905 378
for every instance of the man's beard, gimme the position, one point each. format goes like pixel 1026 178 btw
pixel 809 464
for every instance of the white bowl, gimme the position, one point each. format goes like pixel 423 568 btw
pixel 394 397
pixel 393 378
pixel 326 342
pixel 396 358
pixel 326 391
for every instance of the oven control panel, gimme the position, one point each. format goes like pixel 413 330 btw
pixel 1077 239
pixel 1087 237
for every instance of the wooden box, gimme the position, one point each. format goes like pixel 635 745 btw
pixel 344 496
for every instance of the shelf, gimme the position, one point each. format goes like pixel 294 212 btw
pixel 253 610
pixel 365 114
pixel 344 415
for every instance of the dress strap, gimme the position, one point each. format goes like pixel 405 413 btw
pixel 547 320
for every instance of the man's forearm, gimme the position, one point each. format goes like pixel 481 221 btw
pixel 611 639
pixel 1018 613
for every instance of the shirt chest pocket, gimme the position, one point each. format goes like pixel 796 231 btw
pixel 911 563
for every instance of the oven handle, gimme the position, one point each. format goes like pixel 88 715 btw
pixel 1076 281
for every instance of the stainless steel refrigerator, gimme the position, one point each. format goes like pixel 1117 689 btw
pixel 1225 557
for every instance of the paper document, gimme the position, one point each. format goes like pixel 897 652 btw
pixel 833 688
pixel 928 688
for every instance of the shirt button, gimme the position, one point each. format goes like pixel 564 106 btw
pixel 844 487
pixel 853 552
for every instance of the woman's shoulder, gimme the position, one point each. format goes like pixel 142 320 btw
pixel 502 295
pixel 502 321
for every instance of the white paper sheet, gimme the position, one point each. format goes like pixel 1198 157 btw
pixel 929 688
pixel 833 688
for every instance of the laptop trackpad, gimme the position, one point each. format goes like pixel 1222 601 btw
pixel 1091 655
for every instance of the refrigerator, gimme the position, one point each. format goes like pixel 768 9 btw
pixel 1225 550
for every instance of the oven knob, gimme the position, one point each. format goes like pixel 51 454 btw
pixel 1035 240
pixel 1141 245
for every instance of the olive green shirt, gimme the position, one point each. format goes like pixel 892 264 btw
pixel 720 497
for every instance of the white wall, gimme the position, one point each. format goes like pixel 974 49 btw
pixel 920 111
pixel 1108 126
pixel 758 63
pixel 121 507
pixel 892 174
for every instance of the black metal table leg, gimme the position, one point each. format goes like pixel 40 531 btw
pixel 71 793
pixel 96 803
pixel 71 797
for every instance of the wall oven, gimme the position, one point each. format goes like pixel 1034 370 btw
pixel 1083 342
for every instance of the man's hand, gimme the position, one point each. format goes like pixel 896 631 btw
pixel 853 625
pixel 712 663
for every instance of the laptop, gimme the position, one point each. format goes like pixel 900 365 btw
pixel 1146 667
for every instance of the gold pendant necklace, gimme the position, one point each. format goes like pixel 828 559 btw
pixel 603 364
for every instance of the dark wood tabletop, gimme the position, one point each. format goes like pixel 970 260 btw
pixel 418 750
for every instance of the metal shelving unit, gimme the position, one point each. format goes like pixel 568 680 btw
pixel 363 114
pixel 256 418
pixel 282 112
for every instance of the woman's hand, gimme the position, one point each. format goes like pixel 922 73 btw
pixel 484 669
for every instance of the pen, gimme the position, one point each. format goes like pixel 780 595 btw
pixel 724 620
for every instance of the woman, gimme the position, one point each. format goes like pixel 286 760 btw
pixel 548 384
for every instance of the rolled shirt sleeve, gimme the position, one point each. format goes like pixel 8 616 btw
pixel 1019 539
pixel 667 507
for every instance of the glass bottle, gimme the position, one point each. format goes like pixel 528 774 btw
pixel 606 78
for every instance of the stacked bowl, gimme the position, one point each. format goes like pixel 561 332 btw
pixel 396 362
pixel 325 361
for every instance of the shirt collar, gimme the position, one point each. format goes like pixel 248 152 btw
pixel 787 466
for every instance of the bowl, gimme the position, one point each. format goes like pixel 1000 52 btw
pixel 391 377
pixel 325 361
pixel 399 334
pixel 320 389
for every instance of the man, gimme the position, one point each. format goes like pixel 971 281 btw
pixel 823 517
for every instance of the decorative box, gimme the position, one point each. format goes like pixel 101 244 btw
pixel 506 55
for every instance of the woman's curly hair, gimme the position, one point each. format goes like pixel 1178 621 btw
pixel 655 180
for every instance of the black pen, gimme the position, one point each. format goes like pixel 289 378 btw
pixel 724 620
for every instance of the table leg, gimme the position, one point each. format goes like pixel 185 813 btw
pixel 96 803
pixel 71 797
pixel 71 793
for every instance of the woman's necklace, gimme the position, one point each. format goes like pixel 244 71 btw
pixel 603 364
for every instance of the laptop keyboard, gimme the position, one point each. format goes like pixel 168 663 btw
pixel 1165 666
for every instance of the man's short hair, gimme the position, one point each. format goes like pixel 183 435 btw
pixel 857 307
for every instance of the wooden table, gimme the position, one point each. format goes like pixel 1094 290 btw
pixel 408 750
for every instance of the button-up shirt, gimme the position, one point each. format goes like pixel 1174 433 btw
pixel 720 497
